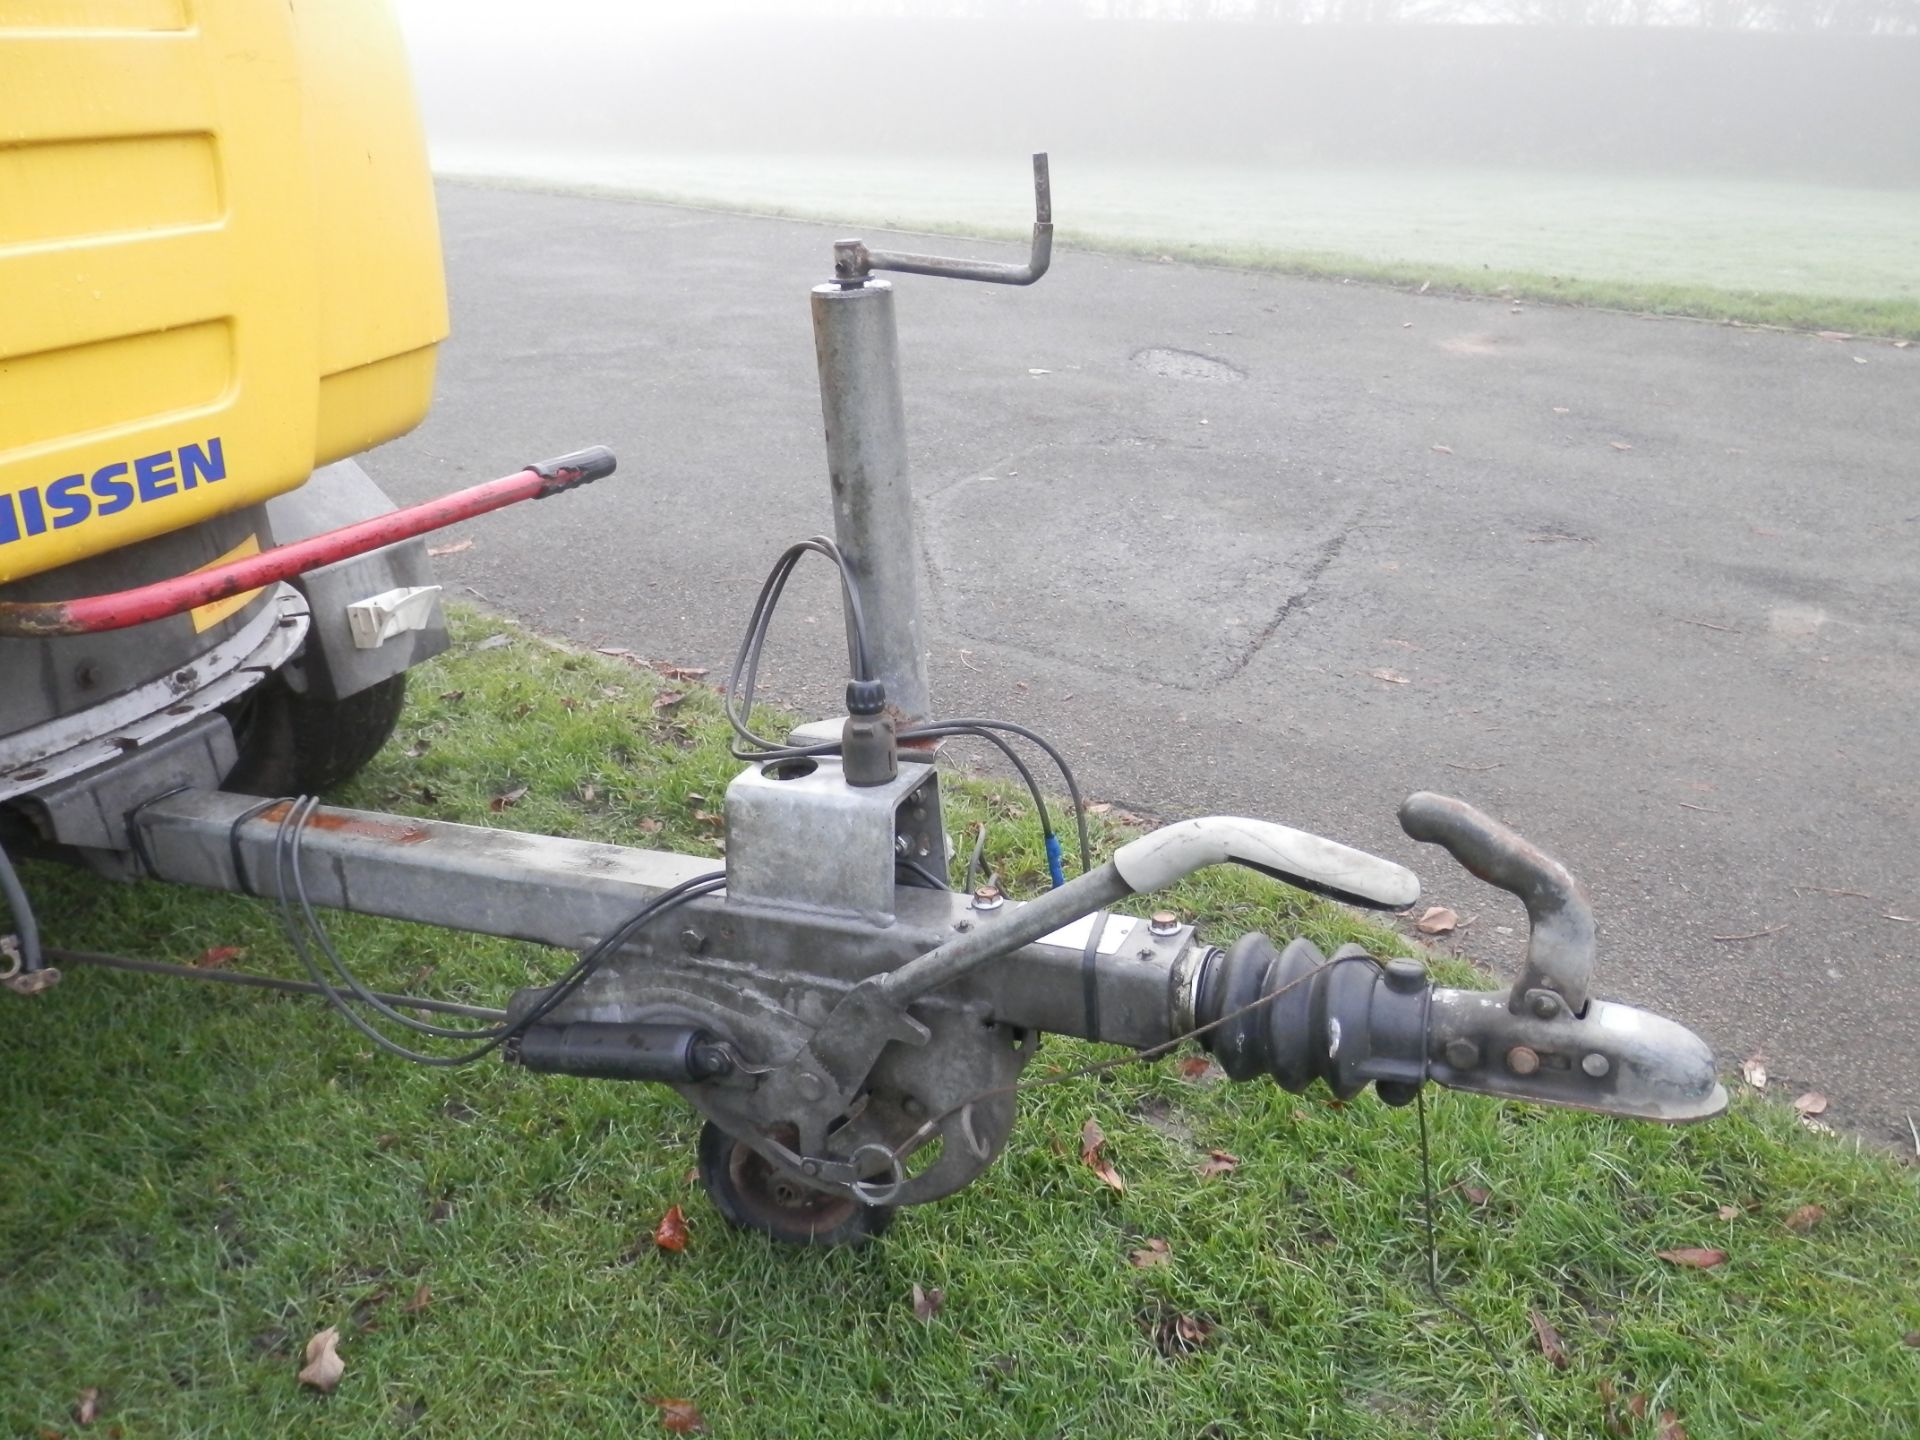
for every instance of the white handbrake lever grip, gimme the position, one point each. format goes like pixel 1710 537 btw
pixel 1325 867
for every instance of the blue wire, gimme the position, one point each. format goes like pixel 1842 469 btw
pixel 1054 867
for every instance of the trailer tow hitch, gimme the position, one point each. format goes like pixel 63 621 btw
pixel 1293 1014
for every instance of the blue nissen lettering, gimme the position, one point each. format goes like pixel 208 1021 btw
pixel 113 493
pixel 68 501
pixel 197 464
pixel 155 473
pixel 73 499
pixel 33 521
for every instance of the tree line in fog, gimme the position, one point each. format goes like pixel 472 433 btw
pixel 1855 17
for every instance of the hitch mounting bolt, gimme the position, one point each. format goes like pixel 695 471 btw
pixel 810 1085
pixel 1164 922
pixel 1463 1054
pixel 692 941
pixel 987 897
pixel 1523 1060
pixel 1596 1065
pixel 1546 1004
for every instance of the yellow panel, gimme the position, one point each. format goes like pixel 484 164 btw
pixel 383 279
pixel 219 259
pixel 76 189
pixel 88 390
pixel 205 617
pixel 93 14
pixel 363 406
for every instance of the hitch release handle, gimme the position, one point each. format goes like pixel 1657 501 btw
pixel 1561 937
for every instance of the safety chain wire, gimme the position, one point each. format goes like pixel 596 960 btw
pixel 898 1154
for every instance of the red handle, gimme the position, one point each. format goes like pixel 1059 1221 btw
pixel 93 613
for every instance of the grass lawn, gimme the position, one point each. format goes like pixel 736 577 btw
pixel 1768 252
pixel 198 1179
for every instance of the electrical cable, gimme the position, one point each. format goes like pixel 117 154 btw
pixel 287 874
pixel 743 683
pixel 743 680
pixel 933 880
pixel 24 922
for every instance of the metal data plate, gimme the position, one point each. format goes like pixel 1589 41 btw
pixel 1074 936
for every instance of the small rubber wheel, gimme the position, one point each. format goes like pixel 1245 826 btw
pixel 752 1195
pixel 293 744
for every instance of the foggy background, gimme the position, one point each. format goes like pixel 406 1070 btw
pixel 1813 90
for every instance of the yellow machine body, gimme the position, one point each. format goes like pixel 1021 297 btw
pixel 219 260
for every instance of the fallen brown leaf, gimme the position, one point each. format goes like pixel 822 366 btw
pixel 1444 449
pixel 1198 1068
pixel 1753 1070
pixel 667 699
pixel 1099 807
pixel 1092 1138
pixel 928 1303
pixel 453 697
pixel 1835 335
pixel 1690 1258
pixel 1619 445
pixel 1728 1212
pixel 1218 1162
pixel 1178 1335
pixel 219 955
pixel 1670 1427
pixel 1811 1103
pixel 436 551
pixel 1476 1195
pixel 509 799
pixel 679 672
pixel 1805 1218
pixel 650 826
pixel 422 1298
pixel 87 1409
pixel 1155 1252
pixel 1551 1345
pixel 1437 920
pixel 1392 677
pixel 1911 1340
pixel 324 1366
pixel 671 1232
pixel 682 1417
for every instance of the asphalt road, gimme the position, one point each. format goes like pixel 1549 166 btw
pixel 1645 590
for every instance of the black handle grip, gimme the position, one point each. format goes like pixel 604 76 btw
pixel 1560 945
pixel 581 467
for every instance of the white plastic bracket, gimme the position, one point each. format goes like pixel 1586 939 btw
pixel 379 618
